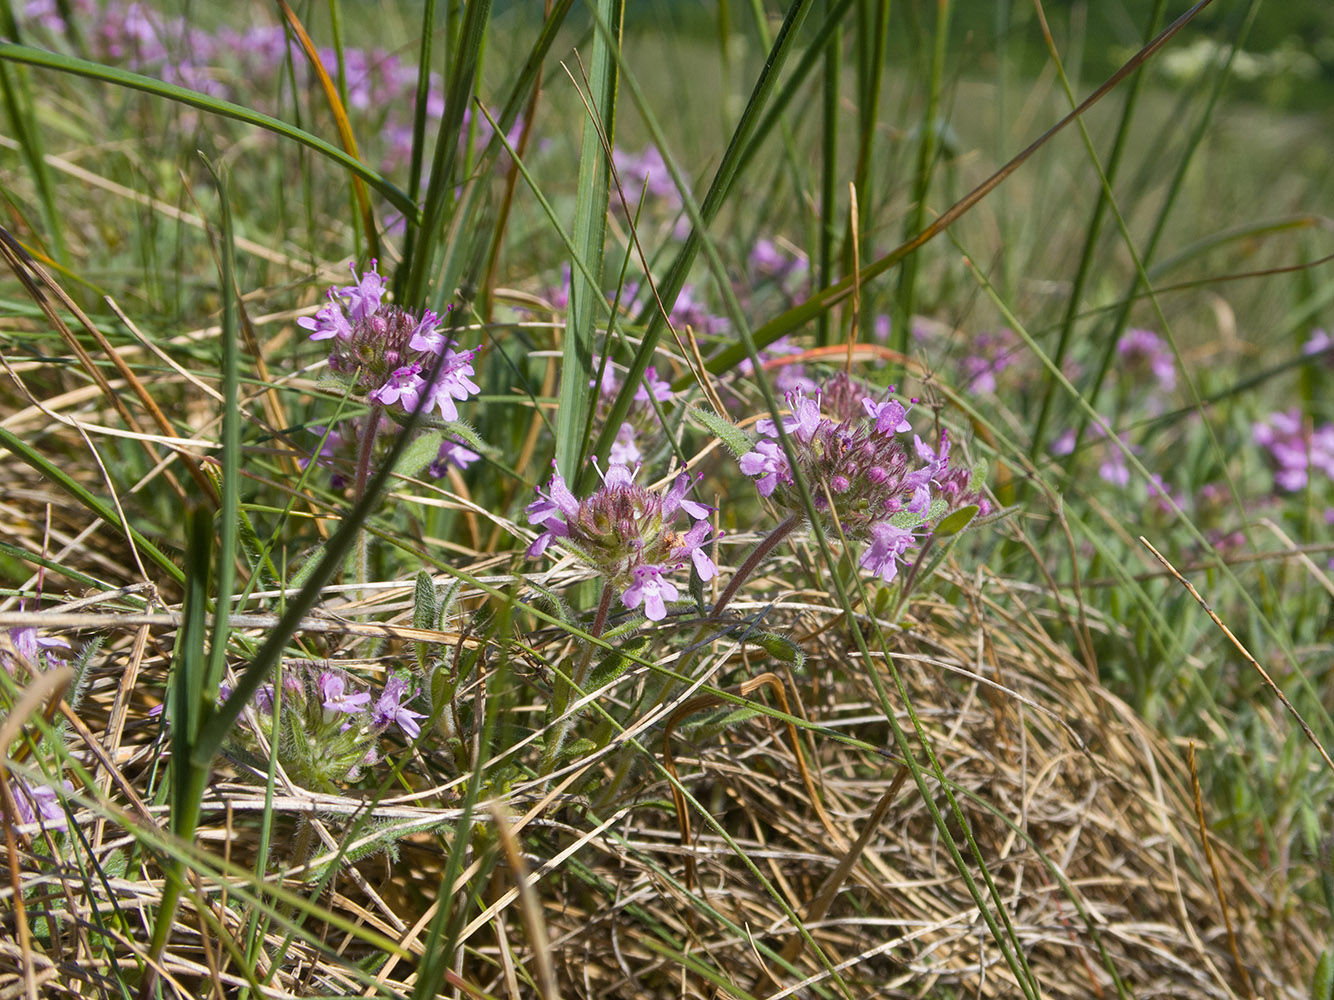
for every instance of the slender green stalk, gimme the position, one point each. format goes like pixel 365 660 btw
pixel 926 164
pixel 1092 232
pixel 560 702
pixel 590 226
pixel 828 218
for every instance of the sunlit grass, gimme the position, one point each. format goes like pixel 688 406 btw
pixel 659 736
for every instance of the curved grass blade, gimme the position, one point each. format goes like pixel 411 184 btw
pixel 27 55
pixel 590 227
pixel 802 314
pixel 340 118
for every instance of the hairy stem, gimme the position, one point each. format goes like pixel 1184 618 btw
pixel 564 691
pixel 757 556
pixel 360 558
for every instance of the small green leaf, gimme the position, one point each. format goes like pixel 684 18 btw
pixel 577 748
pixel 423 602
pixel 615 663
pixel 956 522
pixel 420 453
pixel 780 647
pixel 738 442
pixel 551 602
pixel 463 433
pixel 997 515
pixel 1322 987
pixel 445 599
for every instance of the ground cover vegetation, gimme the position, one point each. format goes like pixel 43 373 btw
pixel 510 501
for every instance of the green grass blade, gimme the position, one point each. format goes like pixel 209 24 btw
pixel 420 245
pixel 1091 234
pixel 734 160
pixel 231 451
pixel 590 226
pixel 826 221
pixel 19 104
pixel 186 716
pixel 27 55
pixel 926 164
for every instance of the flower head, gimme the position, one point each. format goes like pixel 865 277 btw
pixel 32 649
pixel 335 697
pixel 389 709
pixel 652 589
pixel 396 357
pixel 850 449
pixel 1145 354
pixel 1296 448
pixel 627 532
pixel 34 802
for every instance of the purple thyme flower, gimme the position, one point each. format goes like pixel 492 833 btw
pixel 652 589
pixel 404 386
pixel 1064 443
pixel 662 391
pixel 692 545
pixel 769 463
pixel 1296 448
pixel 389 709
pixel 388 353
pixel 427 336
pixel 990 353
pixel 625 450
pixel 627 533
pixel 451 453
pixel 453 383
pixel 328 323
pixel 366 295
pixel 648 163
pixel 1321 347
pixel 30 646
pixel 803 420
pixel 1143 352
pixel 888 544
pixel 849 449
pixel 39 802
pixel 891 416
pixel 336 698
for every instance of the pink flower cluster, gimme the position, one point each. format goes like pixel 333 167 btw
pixel 1296 448
pixel 627 532
pixel 849 450
pixel 390 353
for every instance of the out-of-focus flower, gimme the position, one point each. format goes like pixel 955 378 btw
pixel 1296 448
pixel 1320 345
pixel 1144 354
pixel 35 802
pixel 32 648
